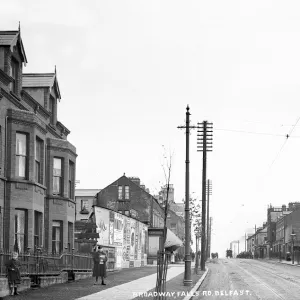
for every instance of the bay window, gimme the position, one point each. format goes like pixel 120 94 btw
pixel 56 237
pixel 20 231
pixel 57 176
pixel 71 180
pixel 21 155
pixel 38 160
pixel 38 227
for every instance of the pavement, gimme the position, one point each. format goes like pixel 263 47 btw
pixel 280 262
pixel 123 284
pixel 131 289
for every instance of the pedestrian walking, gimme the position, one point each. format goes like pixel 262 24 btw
pixel 13 274
pixel 100 260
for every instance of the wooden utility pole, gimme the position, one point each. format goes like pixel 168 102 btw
pixel 205 141
pixel 188 262
pixel 209 192
pixel 209 237
pixel 255 241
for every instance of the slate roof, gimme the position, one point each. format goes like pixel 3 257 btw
pixel 86 192
pixel 7 38
pixel 10 38
pixel 40 80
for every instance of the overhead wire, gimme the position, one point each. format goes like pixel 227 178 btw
pixel 287 137
pixel 250 132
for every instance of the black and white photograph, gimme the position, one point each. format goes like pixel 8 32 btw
pixel 149 149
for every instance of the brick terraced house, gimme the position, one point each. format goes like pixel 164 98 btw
pixel 37 163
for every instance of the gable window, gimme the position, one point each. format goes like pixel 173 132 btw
pixel 126 192
pixel 57 176
pixel 38 160
pixel 120 192
pixel 56 236
pixel 51 108
pixel 14 75
pixel 21 155
pixel 71 180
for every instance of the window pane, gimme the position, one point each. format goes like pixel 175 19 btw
pixel 38 149
pixel 37 171
pixel 21 144
pixel 56 185
pixel 56 236
pixel 19 230
pixel 126 192
pixel 120 192
pixel 20 166
pixel 57 167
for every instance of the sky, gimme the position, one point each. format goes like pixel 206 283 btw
pixel 127 71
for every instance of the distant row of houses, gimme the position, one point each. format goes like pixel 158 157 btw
pixel 279 235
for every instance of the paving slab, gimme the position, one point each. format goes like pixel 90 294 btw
pixel 130 289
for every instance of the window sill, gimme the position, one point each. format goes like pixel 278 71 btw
pixel 60 197
pixel 22 180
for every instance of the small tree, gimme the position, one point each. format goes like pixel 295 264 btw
pixel 195 217
pixel 163 257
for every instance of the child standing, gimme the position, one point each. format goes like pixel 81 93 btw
pixel 13 274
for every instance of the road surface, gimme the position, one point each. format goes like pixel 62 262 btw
pixel 250 279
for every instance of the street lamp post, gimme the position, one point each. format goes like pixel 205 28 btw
pixel 187 281
pixel 293 235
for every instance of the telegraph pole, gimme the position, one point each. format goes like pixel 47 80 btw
pixel 255 242
pixel 209 192
pixel 205 141
pixel 187 267
pixel 209 237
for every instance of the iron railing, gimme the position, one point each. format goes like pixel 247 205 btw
pixel 40 263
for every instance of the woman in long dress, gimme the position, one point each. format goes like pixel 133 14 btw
pixel 100 260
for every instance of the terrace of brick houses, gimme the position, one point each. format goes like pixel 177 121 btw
pixel 279 235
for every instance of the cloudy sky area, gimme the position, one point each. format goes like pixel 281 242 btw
pixel 128 69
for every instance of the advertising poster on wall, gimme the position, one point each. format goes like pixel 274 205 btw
pixel 119 256
pixel 128 238
pixel 142 241
pixel 111 227
pixel 136 240
pixel 118 230
pixel 102 223
pixel 132 240
pixel 124 236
